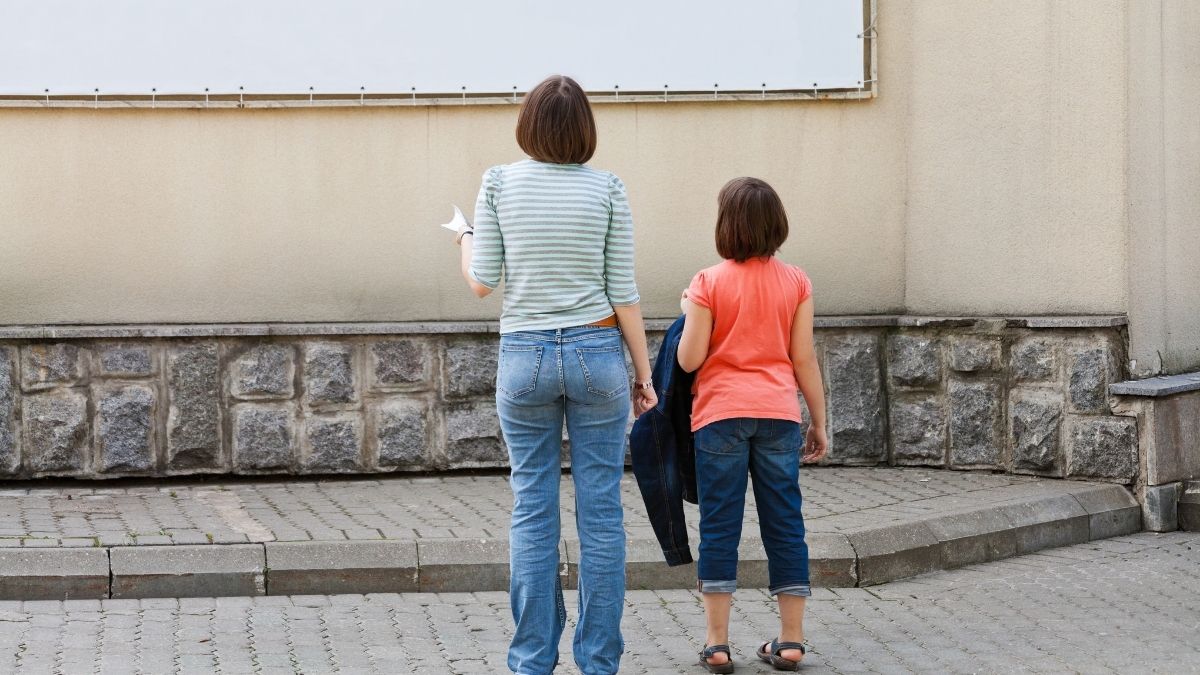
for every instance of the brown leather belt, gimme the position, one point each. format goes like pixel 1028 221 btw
pixel 609 322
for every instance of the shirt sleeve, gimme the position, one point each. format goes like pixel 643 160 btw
pixel 618 248
pixel 698 292
pixel 804 286
pixel 487 255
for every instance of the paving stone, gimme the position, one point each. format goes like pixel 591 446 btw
pixel 458 565
pixel 194 418
pixel 401 364
pixel 400 432
pixel 125 360
pixel 976 423
pixel 333 444
pixel 264 371
pixel 330 377
pixel 918 427
pixel 1102 447
pixel 852 366
pixel 53 573
pixel 1089 374
pixel 1034 359
pixel 975 354
pixel 469 367
pixel 188 571
pixel 1035 418
pixel 125 428
pixel 10 438
pixel 46 366
pixel 914 360
pixel 262 436
pixel 55 432
pixel 473 436
pixel 321 567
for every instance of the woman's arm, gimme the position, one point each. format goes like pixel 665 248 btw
pixel 697 331
pixel 467 242
pixel 808 377
pixel 633 329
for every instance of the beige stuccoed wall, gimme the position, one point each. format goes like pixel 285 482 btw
pixel 989 176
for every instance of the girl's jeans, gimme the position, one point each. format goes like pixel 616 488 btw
pixel 770 451
pixel 544 376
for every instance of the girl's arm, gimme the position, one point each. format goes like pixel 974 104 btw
pixel 697 331
pixel 633 329
pixel 808 376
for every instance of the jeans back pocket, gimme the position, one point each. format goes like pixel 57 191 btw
pixel 604 370
pixel 517 371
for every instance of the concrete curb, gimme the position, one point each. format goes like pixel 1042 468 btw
pixel 1034 518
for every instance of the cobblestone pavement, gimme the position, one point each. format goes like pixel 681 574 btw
pixel 401 507
pixel 1122 605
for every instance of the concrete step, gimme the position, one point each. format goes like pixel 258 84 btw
pixel 1189 507
pixel 447 534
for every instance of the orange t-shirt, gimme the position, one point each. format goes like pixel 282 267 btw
pixel 748 372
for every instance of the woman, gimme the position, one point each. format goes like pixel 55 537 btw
pixel 561 234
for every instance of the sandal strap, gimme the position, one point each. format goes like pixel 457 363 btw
pixel 777 646
pixel 715 649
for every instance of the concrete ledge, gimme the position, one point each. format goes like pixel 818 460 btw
pixel 971 537
pixel 1157 387
pixel 53 574
pixel 334 567
pixel 894 552
pixel 462 565
pixel 1047 522
pixel 188 571
pixel 1112 511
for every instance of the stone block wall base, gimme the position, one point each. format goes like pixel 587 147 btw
pixel 1160 507
pixel 1189 508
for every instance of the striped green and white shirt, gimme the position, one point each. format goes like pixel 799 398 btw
pixel 562 237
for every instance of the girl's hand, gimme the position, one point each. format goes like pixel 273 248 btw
pixel 816 445
pixel 643 400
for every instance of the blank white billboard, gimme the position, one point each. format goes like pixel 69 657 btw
pixel 430 46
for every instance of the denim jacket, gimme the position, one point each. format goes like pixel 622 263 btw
pixel 661 449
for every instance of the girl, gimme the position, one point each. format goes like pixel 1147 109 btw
pixel 561 235
pixel 749 331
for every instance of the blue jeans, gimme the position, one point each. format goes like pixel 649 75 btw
pixel 770 450
pixel 544 376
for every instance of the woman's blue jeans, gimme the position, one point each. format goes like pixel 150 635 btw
pixel 543 377
pixel 770 451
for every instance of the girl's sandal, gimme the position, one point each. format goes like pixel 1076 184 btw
pixel 708 653
pixel 770 652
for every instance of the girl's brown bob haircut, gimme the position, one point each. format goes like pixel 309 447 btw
pixel 751 222
pixel 556 123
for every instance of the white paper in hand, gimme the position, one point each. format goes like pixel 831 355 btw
pixel 458 221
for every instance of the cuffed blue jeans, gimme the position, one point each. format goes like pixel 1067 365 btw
pixel 543 377
pixel 769 450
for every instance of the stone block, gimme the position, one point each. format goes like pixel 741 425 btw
pixel 469 369
pixel 1034 359
pixel 265 371
pixel 975 354
pixel 10 438
pixel 918 427
pixel 45 366
pixel 1174 454
pixel 976 423
pixel 332 444
pixel 1102 447
pixel 1189 508
pixel 473 436
pixel 55 432
pixel 1160 507
pixel 125 360
pixel 856 424
pixel 124 429
pixel 1047 521
pixel 53 573
pixel 1112 511
pixel 329 374
pixel 263 436
pixel 914 360
pixel 401 364
pixel 194 417
pixel 1035 418
pixel 462 565
pixel 337 567
pixel 1089 372
pixel 973 536
pixel 400 432
pixel 188 571
pixel 894 552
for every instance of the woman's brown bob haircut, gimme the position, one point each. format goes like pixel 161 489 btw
pixel 751 222
pixel 556 123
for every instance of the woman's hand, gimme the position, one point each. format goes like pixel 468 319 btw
pixel 816 445
pixel 643 400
